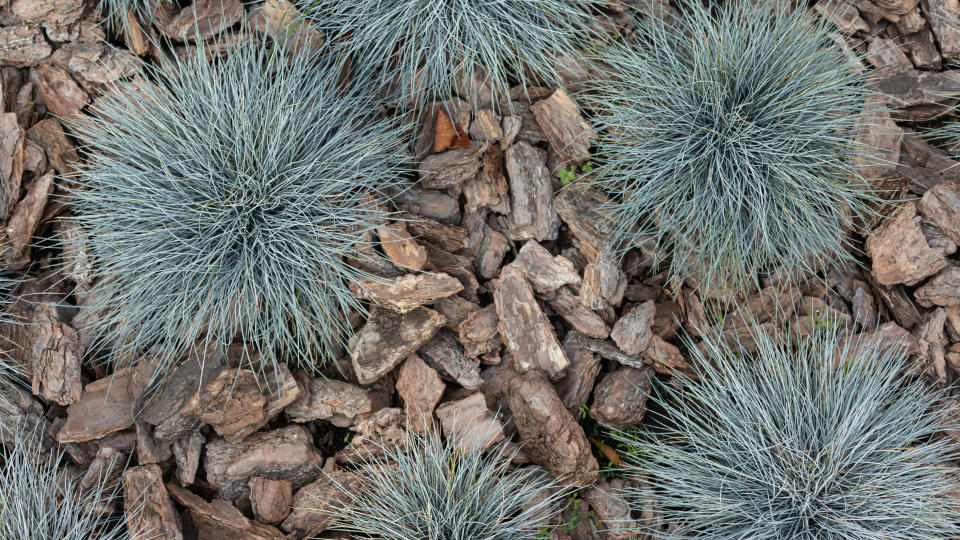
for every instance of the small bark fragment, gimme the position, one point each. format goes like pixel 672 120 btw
pixel 204 19
pixel 388 338
pixel 469 423
pixel 12 138
pixel 583 320
pixel 26 216
pixel 157 517
pixel 575 387
pixel 283 21
pixel 489 188
pixel 524 328
pixel 552 438
pixel 400 247
pixel 62 96
pixel 568 133
pixel 270 500
pixel 919 95
pixel 543 271
pixel 941 205
pixel 375 432
pixel 900 252
pixel 942 290
pixel 23 46
pixel 604 284
pixel 48 133
pixel 478 332
pixel 620 399
pixel 531 194
pixel 612 509
pixel 448 135
pixel 186 452
pixel 408 292
pixel 420 387
pixel 633 331
pixel 580 210
pixel 445 354
pixel 309 517
pixel 105 406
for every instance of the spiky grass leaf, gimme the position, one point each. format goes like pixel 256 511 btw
pixel 426 46
pixel 793 442
pixel 726 136
pixel 114 12
pixel 223 198
pixel 38 502
pixel 434 491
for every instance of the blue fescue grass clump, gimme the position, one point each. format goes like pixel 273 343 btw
pixel 812 439
pixel 39 502
pixel 726 136
pixel 424 46
pixel 433 490
pixel 222 199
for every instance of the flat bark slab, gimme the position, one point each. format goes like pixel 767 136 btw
pixel 158 518
pixel 581 210
pixel 12 138
pixel 563 125
pixel 388 338
pixel 545 272
pixel 550 434
pixel 531 195
pixel 469 423
pixel 49 134
pixel 478 332
pixel 421 388
pixel 917 95
pixel 941 205
pixel 580 317
pixel 400 246
pixel 105 406
pixel 282 454
pixel 525 330
pixel 942 290
pixel 94 64
pixel 409 291
pixel 231 403
pixel 900 252
pixel 337 402
pixel 25 218
pixel 59 92
pixel 889 336
pixel 221 519
pixel 204 19
pixel 381 429
pixel 620 398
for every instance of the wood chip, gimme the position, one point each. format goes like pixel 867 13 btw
pixel 388 338
pixel 575 387
pixel 580 317
pixel 59 92
pixel 531 195
pixel 61 154
pixel 550 434
pixel 144 486
pixel 22 46
pixel 231 403
pixel 900 252
pixel 204 19
pixel 489 188
pixel 407 292
pixel 444 353
pixel 919 95
pixel 604 284
pixel 12 138
pixel 26 216
pixel 478 332
pixel 524 328
pixel 941 205
pixel 580 210
pixel 563 125
pixel 186 452
pixel 309 517
pixel 469 423
pixel 420 387
pixel 282 20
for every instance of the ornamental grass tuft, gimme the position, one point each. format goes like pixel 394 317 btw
pixel 429 48
pixel 39 501
pixel 222 199
pixel 726 136
pixel 821 438
pixel 434 490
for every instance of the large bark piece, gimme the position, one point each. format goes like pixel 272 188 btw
pixel 408 292
pixel 450 169
pixel 59 92
pixel 157 518
pixel 25 218
pixel 900 252
pixel 469 423
pixel 337 402
pixel 400 246
pixel 564 127
pixel 232 403
pixel 282 454
pixel 580 317
pixel 551 436
pixel 388 338
pixel 531 195
pixel 105 406
pixel 420 387
pixel 270 500
pixel 633 331
pixel 220 519
pixel 525 330
pixel 543 271
pixel 575 387
pixel 919 95
pixel 942 290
